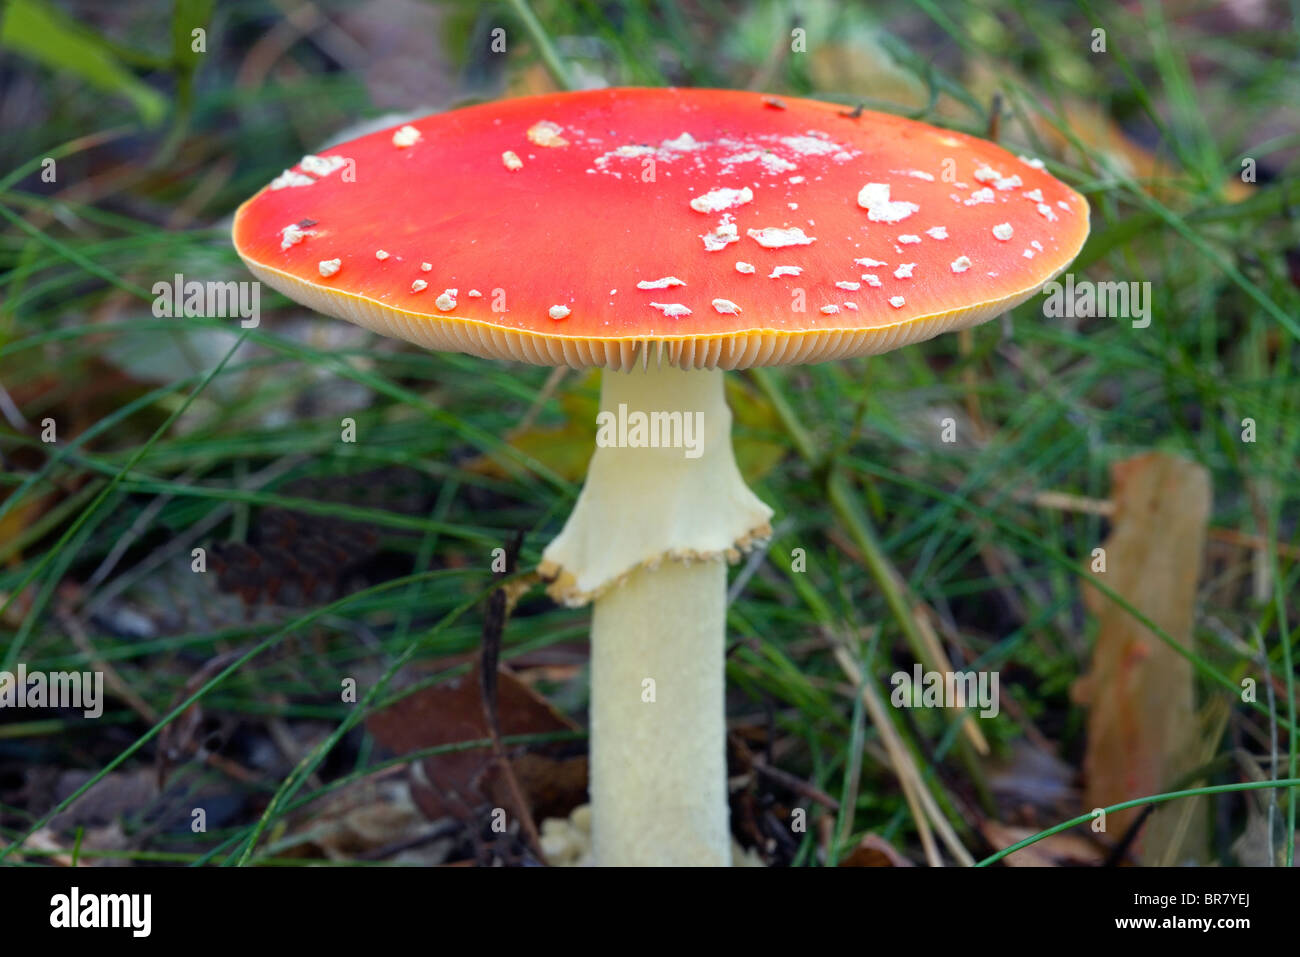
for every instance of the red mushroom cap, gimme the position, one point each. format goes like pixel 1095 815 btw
pixel 730 228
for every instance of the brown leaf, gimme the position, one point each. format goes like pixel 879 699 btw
pixel 1139 692
pixel 1059 850
pixel 294 559
pixel 875 851
pixel 456 783
pixel 374 818
pixel 56 848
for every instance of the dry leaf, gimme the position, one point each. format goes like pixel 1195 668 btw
pixel 374 818
pixel 1139 693
pixel 457 783
pixel 1059 850
pixel 875 851
pixel 57 849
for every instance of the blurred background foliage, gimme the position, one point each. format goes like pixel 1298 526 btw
pixel 127 139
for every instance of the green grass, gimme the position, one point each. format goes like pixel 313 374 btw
pixel 175 435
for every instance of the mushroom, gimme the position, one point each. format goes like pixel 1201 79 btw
pixel 665 235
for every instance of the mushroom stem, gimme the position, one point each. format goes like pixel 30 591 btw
pixel 663 508
pixel 658 746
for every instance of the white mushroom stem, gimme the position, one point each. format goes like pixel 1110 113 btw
pixel 658 745
pixel 648 540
